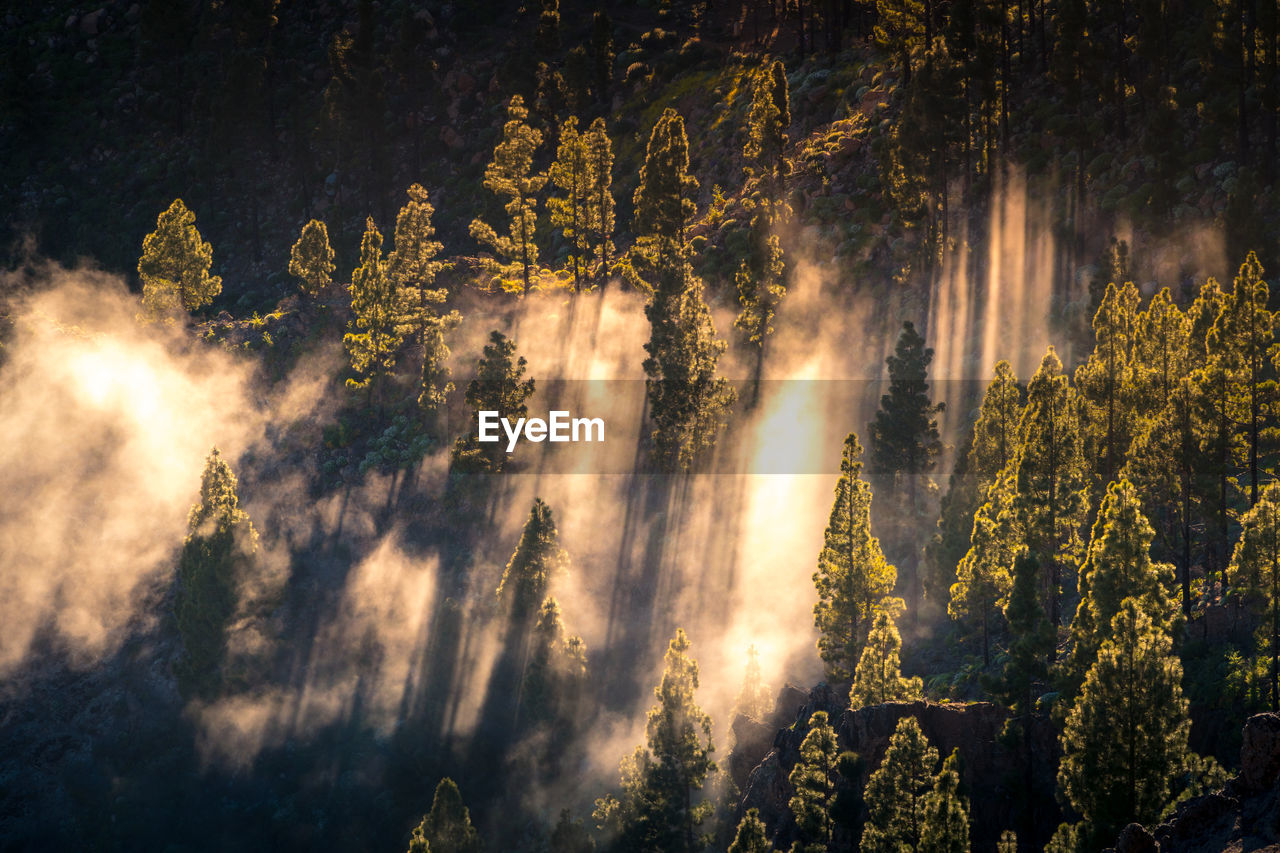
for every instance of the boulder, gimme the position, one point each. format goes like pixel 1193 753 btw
pixel 1134 839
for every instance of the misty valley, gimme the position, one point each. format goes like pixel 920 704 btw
pixel 674 426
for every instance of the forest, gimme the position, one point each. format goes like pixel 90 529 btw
pixel 935 500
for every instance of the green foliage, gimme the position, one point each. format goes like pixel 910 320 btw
pixel 413 267
pixel 1126 736
pixel 1051 476
pixel 898 790
pixel 571 836
pixel 447 827
pixel 220 546
pixel 1031 635
pixel 537 558
pixel 1118 567
pixel 1255 564
pixel 688 402
pixel 599 210
pixel 555 674
pixel 400 446
pixel 174 266
pixel 946 812
pixel 311 259
pixel 754 699
pixel 751 836
pixel 1008 842
pixel 499 386
pixel 904 435
pixel 760 285
pixel 853 575
pixel 878 678
pixel 571 210
pixel 982 578
pixel 375 333
pixel 657 809
pixel 1106 382
pixel 813 779
pixel 511 174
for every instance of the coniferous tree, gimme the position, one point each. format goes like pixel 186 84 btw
pixel 220 544
pixel 447 827
pixel 1051 479
pixel 901 26
pixel 174 266
pixel 1163 463
pixel 897 791
pixel 688 403
pixel 1008 842
pixel 1118 567
pixel 375 332
pixel 554 678
pixel 767 124
pixel 657 809
pixel 946 812
pixel 1162 353
pixel 602 54
pixel 752 836
pixel 1126 736
pixel 499 387
pixel 853 575
pixel 570 174
pixel 982 578
pixel 570 836
pixel 904 448
pixel 1242 345
pixel 1106 382
pixel 547 37
pixel 754 698
pixel 879 678
pixel 993 442
pixel 311 259
pixel 600 218
pixel 538 556
pixel 813 779
pixel 511 174
pixel 1031 637
pixel 1256 566
pixel 413 267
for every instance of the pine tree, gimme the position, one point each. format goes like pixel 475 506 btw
pixel 813 779
pixel 375 332
pixel 600 218
pixel 767 128
pixel 754 699
pixel 570 836
pixel 878 678
pixel 1256 566
pixel 1162 353
pixel 900 28
pixel 499 387
pixel 1164 462
pixel 1243 344
pixel 1051 501
pixel 993 442
pixel 853 575
pixel 1031 639
pixel 1118 567
pixel 447 827
pixel 657 810
pixel 982 578
pixel 510 174
pixel 220 545
pixel 1106 382
pixel 538 557
pixel 752 836
pixel 174 266
pixel 602 55
pixel 554 678
pixel 311 260
pixel 1126 736
pixel 688 403
pixel 413 269
pixel 1008 842
pixel 569 211
pixel 897 791
pixel 547 38
pixel 946 812
pixel 905 446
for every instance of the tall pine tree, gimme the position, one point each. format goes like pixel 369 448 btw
pixel 511 174
pixel 375 332
pixel 878 678
pixel 174 266
pixel 897 791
